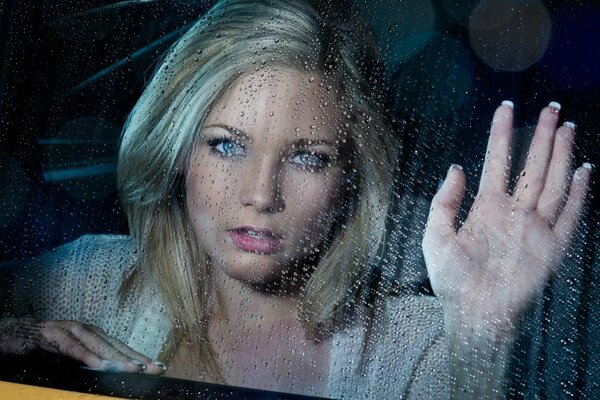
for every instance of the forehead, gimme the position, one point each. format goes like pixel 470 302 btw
pixel 279 100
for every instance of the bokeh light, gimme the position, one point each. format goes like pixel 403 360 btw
pixel 81 157
pixel 14 188
pixel 403 29
pixel 510 35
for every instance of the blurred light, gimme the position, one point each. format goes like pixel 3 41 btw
pixel 82 172
pixel 402 29
pixel 105 8
pixel 14 188
pixel 510 35
pixel 133 56
pixel 82 157
pixel 436 82
pixel 574 55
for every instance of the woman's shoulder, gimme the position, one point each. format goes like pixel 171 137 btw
pixel 115 252
pixel 65 282
pixel 85 245
pixel 88 252
pixel 405 352
pixel 414 344
pixel 107 255
pixel 421 312
pixel 409 325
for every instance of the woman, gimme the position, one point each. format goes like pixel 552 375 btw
pixel 255 172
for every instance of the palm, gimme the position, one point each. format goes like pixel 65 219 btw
pixel 509 245
pixel 488 252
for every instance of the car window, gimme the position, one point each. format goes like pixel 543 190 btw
pixel 72 71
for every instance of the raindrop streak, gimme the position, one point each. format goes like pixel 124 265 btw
pixel 124 61
pixel 108 7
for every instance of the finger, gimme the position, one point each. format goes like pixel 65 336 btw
pixel 150 366
pixel 495 166
pixel 557 182
pixel 569 218
pixel 532 178
pixel 441 227
pixel 61 341
pixel 112 357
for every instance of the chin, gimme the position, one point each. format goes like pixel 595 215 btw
pixel 255 269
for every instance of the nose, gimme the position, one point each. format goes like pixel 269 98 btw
pixel 261 187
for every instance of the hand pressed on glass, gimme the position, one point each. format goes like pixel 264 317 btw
pixel 488 271
pixel 83 342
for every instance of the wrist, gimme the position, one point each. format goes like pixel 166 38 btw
pixel 18 335
pixel 478 325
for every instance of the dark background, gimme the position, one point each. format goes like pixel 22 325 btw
pixel 71 71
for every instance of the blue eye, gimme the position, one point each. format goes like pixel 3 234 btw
pixel 226 147
pixel 312 160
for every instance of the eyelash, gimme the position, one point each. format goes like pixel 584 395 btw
pixel 215 142
pixel 322 161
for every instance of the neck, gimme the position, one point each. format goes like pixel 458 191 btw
pixel 250 303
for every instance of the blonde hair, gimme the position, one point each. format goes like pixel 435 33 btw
pixel 233 38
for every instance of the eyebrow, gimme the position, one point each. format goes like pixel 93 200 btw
pixel 313 142
pixel 304 142
pixel 234 131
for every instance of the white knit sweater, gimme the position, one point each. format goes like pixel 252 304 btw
pixel 79 281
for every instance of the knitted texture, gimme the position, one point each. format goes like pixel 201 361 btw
pixel 407 357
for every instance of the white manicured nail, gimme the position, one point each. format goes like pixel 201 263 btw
pixel 579 172
pixel 569 124
pixel 508 103
pixel 555 105
pixel 160 365
pixel 138 363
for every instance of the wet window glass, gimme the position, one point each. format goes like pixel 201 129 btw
pixel 366 199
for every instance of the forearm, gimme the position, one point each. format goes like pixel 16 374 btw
pixel 18 335
pixel 478 358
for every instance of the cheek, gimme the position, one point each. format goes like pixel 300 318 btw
pixel 208 183
pixel 312 200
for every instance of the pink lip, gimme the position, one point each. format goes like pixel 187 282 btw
pixel 267 243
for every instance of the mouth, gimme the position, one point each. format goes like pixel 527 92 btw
pixel 255 240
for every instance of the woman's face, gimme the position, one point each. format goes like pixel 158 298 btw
pixel 263 183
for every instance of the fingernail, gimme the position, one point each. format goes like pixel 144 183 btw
pixel 160 365
pixel 579 171
pixel 139 363
pixel 508 103
pixel 455 166
pixel 554 106
pixel 570 125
